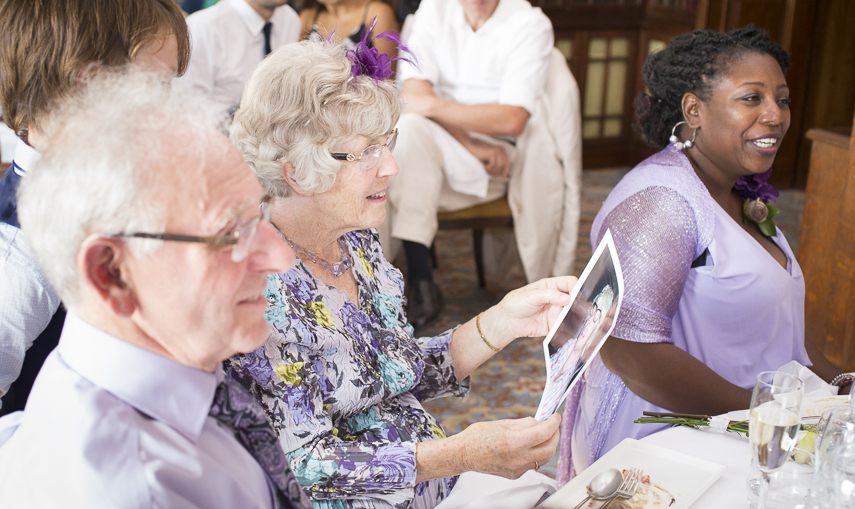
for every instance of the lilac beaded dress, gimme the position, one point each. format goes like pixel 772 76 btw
pixel 735 308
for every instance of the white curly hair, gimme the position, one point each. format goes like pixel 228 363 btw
pixel 301 102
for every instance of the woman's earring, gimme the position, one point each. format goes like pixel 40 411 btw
pixel 676 141
pixel 691 142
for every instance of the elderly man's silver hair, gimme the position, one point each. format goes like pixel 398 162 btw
pixel 108 150
pixel 300 104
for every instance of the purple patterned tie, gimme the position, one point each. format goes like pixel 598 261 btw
pixel 235 408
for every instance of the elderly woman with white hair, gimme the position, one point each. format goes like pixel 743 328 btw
pixel 341 375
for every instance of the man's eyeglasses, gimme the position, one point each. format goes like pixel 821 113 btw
pixel 370 157
pixel 240 236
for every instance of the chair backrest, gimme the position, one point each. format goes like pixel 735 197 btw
pixel 545 193
pixel 565 123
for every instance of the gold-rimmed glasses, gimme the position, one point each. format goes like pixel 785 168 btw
pixel 370 157
pixel 240 236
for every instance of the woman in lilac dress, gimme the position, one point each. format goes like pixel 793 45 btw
pixel 712 298
pixel 341 376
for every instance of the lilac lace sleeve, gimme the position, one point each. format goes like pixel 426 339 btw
pixel 656 236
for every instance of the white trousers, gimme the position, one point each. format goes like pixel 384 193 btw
pixel 421 189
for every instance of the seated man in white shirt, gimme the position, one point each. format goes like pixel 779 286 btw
pixel 482 64
pixel 229 40
pixel 147 222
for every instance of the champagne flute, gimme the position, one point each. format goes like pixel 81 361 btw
pixel 774 422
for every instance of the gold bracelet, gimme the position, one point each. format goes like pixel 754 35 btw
pixel 484 338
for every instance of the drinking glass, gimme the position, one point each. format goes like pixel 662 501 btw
pixel 821 424
pixel 773 424
pixel 834 480
pixel 789 487
pixel 840 430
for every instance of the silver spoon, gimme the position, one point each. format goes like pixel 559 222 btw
pixel 603 485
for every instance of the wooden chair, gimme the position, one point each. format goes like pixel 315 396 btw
pixel 494 214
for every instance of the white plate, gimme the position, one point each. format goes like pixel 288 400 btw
pixel 684 476
pixel 812 407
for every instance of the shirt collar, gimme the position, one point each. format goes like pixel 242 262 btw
pixel 253 20
pixel 25 158
pixel 503 10
pixel 161 388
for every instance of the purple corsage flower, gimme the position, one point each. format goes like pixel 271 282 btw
pixel 755 186
pixel 757 193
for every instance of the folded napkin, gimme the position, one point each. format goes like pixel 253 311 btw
pixel 814 387
pixel 474 491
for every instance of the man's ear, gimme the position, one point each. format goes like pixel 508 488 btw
pixel 103 266
pixel 288 171
pixel 691 106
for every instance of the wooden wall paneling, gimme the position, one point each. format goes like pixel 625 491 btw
pixel 637 20
pixel 831 74
pixel 827 247
pixel 848 258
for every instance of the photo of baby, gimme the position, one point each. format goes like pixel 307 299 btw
pixel 582 328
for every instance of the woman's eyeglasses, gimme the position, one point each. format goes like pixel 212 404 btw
pixel 240 236
pixel 370 157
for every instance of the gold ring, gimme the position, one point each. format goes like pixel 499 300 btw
pixel 536 466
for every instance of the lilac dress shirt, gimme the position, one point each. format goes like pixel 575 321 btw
pixel 109 424
pixel 740 312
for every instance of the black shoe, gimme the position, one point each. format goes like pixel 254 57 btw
pixel 424 303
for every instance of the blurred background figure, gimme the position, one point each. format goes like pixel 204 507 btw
pixel 482 66
pixel 191 6
pixel 46 48
pixel 350 20
pixel 229 40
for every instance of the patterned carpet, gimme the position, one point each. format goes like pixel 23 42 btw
pixel 510 384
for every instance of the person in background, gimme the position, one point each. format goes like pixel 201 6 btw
pixel 351 20
pixel 191 6
pixel 714 294
pixel 46 48
pixel 147 222
pixel 341 375
pixel 481 66
pixel 229 40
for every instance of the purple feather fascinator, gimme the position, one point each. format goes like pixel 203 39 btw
pixel 368 61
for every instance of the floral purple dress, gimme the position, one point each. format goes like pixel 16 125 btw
pixel 343 384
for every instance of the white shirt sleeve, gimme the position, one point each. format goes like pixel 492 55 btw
pixel 422 43
pixel 527 62
pixel 293 26
pixel 201 74
pixel 27 303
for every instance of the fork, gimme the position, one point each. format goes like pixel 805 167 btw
pixel 628 487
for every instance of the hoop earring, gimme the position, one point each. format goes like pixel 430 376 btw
pixel 676 141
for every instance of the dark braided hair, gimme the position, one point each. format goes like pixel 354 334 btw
pixel 692 63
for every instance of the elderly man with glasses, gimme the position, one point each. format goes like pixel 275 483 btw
pixel 147 222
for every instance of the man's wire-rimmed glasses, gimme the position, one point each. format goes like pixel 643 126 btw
pixel 370 157
pixel 241 236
